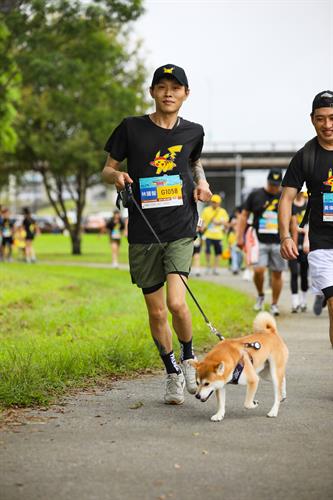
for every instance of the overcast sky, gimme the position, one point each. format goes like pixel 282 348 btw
pixel 253 66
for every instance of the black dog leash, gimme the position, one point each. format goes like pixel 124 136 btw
pixel 127 199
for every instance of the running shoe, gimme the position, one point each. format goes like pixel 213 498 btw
pixel 296 309
pixel 259 305
pixel 274 310
pixel 303 308
pixel 174 389
pixel 189 374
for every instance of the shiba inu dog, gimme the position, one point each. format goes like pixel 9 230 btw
pixel 240 361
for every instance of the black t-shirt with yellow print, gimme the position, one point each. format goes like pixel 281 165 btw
pixel 321 188
pixel 264 207
pixel 158 161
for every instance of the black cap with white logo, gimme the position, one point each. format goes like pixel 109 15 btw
pixel 323 100
pixel 275 176
pixel 170 71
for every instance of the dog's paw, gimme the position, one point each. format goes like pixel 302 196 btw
pixel 272 414
pixel 252 405
pixel 217 417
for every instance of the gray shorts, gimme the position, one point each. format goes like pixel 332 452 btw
pixel 269 256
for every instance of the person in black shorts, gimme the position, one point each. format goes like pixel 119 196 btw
pixel 319 181
pixel 116 227
pixel 30 228
pixel 7 235
pixel 163 166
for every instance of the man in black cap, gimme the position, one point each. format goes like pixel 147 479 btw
pixel 263 204
pixel 313 164
pixel 163 166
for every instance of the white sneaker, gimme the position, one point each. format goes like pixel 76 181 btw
pixel 114 265
pixel 189 374
pixel 274 310
pixel 247 275
pixel 259 305
pixel 174 389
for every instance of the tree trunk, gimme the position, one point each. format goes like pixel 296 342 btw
pixel 76 243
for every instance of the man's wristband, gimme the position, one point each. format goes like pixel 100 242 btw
pixel 285 238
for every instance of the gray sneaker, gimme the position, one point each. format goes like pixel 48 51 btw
pixel 174 389
pixel 259 305
pixel 189 374
pixel 318 305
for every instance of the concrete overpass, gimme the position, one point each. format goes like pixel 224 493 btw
pixel 226 164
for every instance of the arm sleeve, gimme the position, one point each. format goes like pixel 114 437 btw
pixel 294 176
pixel 196 152
pixel 117 144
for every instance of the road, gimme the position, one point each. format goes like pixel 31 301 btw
pixel 124 443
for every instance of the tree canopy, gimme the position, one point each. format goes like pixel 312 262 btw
pixel 79 79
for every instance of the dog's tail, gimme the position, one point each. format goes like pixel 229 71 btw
pixel 264 322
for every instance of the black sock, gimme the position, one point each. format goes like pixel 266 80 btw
pixel 186 350
pixel 170 363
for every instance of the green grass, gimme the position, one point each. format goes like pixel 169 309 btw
pixel 95 248
pixel 63 325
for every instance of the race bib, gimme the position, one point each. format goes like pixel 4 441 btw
pixel 328 207
pixel 268 223
pixel 157 192
pixel 115 234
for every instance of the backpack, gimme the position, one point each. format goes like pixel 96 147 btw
pixel 308 162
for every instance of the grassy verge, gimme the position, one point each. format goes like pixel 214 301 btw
pixel 61 325
pixel 95 248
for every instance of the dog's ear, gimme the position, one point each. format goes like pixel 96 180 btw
pixel 194 363
pixel 220 369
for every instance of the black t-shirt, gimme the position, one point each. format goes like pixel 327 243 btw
pixel 264 207
pixel 158 161
pixel 6 228
pixel 321 188
pixel 30 227
pixel 299 212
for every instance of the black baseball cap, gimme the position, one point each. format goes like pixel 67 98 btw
pixel 323 100
pixel 170 70
pixel 275 176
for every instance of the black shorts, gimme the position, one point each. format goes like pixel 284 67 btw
pixel 7 241
pixel 216 244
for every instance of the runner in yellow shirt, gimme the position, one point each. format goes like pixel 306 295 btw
pixel 215 220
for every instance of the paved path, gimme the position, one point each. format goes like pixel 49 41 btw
pixel 126 444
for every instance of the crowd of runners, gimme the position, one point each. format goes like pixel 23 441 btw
pixel 17 234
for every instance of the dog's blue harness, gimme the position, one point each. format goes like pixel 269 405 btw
pixel 240 367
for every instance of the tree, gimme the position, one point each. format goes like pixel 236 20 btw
pixel 79 80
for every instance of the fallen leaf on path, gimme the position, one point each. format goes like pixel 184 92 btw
pixel 135 406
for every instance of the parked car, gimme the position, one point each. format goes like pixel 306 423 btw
pixel 49 224
pixel 94 224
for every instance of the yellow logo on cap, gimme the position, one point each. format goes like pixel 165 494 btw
pixel 276 176
pixel 168 70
